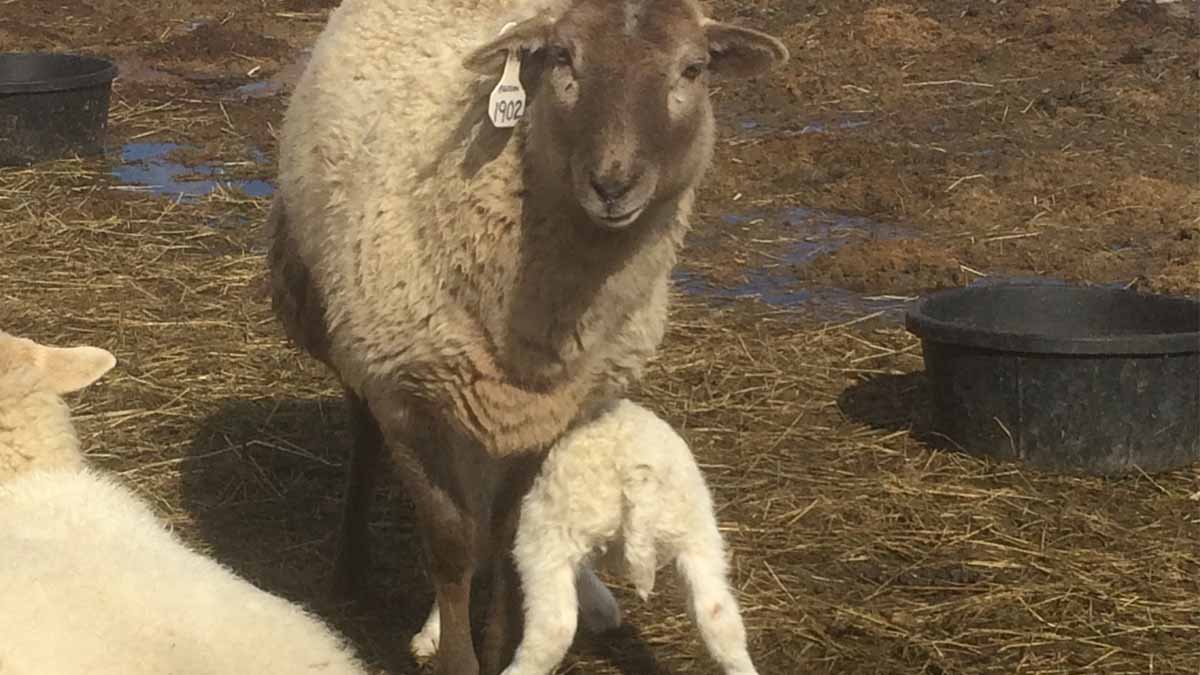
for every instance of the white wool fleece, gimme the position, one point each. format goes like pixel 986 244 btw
pixel 91 582
pixel 35 433
pixel 627 479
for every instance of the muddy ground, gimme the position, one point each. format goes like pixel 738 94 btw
pixel 906 147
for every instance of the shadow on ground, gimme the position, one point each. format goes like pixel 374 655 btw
pixel 894 403
pixel 264 488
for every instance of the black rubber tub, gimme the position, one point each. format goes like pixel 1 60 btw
pixel 1065 379
pixel 52 106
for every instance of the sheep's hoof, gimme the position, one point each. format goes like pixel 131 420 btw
pixel 424 647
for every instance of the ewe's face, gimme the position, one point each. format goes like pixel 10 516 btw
pixel 623 114
pixel 621 118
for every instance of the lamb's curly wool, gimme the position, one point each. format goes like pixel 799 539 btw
pixel 405 214
pixel 628 481
pixel 91 582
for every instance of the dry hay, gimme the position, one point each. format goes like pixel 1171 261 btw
pixel 856 547
pixel 899 27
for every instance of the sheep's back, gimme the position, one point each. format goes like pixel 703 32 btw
pixel 93 583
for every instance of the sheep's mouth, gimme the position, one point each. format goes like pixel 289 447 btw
pixel 620 221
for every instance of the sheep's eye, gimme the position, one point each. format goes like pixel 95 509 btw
pixel 560 56
pixel 693 71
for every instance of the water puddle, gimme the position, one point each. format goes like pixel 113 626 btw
pixel 282 81
pixel 803 233
pixel 147 167
pixel 822 127
pixel 753 128
pixel 260 89
pixel 825 302
pixel 799 236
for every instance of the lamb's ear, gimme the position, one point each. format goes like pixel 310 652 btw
pixel 742 52
pixel 66 369
pixel 529 35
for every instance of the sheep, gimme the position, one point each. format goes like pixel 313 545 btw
pixel 91 581
pixel 625 483
pixel 478 289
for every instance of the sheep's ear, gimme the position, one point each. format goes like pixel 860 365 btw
pixel 742 52
pixel 66 369
pixel 529 35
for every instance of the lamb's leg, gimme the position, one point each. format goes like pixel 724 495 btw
pixel 352 565
pixel 546 560
pixel 712 606
pixel 550 616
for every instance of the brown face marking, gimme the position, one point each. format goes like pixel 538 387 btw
pixel 616 116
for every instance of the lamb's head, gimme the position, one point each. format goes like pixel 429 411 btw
pixel 620 120
pixel 35 423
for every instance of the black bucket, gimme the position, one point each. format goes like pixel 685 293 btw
pixel 1066 379
pixel 52 106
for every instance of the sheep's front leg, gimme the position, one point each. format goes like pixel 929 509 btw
pixel 447 527
pixel 449 539
pixel 502 631
pixel 352 565
pixel 550 616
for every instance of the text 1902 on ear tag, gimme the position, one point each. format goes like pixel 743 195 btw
pixel 507 104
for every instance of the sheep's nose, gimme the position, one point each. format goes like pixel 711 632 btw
pixel 610 189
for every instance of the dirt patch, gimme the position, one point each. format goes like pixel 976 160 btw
pixel 135 69
pixel 1028 139
pixel 215 42
pixel 901 267
pixel 898 28
pixel 1163 261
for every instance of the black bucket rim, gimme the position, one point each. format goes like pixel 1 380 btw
pixel 919 322
pixel 100 71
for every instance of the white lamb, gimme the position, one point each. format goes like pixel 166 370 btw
pixel 629 481
pixel 91 582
